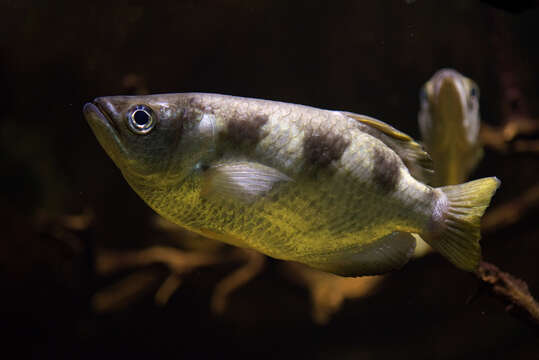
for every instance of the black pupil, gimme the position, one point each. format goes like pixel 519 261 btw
pixel 141 117
pixel 472 92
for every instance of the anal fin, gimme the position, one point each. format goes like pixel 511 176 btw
pixel 388 253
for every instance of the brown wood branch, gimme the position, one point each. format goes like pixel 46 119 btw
pixel 504 138
pixel 254 263
pixel 167 289
pixel 329 291
pixel 126 291
pixel 177 260
pixel 509 288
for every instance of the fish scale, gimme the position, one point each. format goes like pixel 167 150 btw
pixel 342 225
pixel 326 188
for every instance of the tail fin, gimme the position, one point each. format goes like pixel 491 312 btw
pixel 457 229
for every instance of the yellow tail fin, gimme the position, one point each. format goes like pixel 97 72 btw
pixel 457 233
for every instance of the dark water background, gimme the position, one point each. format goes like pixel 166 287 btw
pixel 369 57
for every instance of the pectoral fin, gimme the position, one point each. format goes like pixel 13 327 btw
pixel 388 253
pixel 416 159
pixel 240 181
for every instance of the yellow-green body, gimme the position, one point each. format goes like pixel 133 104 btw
pixel 326 188
pixel 449 122
pixel 323 209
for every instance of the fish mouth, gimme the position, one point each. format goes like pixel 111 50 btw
pixel 449 87
pixel 104 129
pixel 95 114
pixel 449 82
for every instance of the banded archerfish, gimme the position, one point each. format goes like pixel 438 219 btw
pixel 338 191
pixel 449 122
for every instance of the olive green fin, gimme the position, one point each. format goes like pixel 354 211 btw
pixel 422 248
pixel 241 181
pixel 455 231
pixel 380 126
pixel 388 253
pixel 416 159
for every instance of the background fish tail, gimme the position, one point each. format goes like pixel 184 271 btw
pixel 455 232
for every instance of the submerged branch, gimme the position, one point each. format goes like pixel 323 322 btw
pixel 254 263
pixel 510 289
pixel 179 263
pixel 505 139
pixel 504 285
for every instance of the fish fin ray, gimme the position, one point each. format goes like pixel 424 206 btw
pixel 379 125
pixel 457 237
pixel 385 254
pixel 241 181
pixel 412 153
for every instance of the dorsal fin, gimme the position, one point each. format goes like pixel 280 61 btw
pixel 416 159
pixel 379 125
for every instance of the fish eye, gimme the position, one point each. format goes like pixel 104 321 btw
pixel 141 119
pixel 473 98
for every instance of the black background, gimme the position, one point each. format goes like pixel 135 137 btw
pixel 369 57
